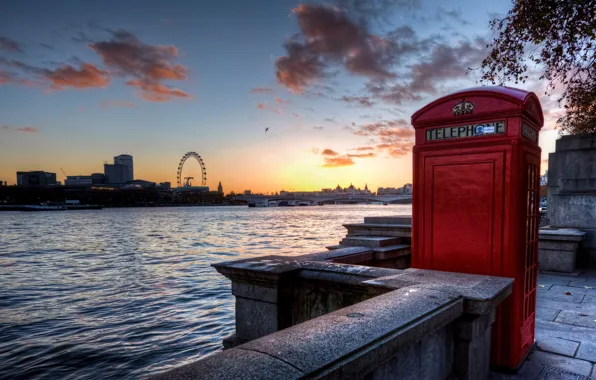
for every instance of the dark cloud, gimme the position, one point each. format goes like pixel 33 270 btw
pixel 446 62
pixel 330 120
pixel 299 68
pixel 363 101
pixel 329 37
pixel 329 152
pixel 261 90
pixel 49 47
pixel 150 65
pixel 10 45
pixel 318 127
pixel 334 162
pixel 391 93
pixel 386 128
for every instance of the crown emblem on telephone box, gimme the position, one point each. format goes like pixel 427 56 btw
pixel 462 108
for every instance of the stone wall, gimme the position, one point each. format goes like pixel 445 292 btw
pixel 421 325
pixel 572 189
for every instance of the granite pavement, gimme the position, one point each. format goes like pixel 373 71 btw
pixel 565 330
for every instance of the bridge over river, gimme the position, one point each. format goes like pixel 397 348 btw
pixel 328 199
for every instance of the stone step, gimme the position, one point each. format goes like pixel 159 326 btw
pixel 369 241
pixel 397 219
pixel 392 251
pixel 369 229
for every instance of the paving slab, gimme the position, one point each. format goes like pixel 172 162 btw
pixel 588 308
pixel 558 346
pixel 546 313
pixel 576 319
pixel 540 359
pixel 552 373
pixel 587 351
pixel 565 331
pixel 573 289
pixel 560 296
pixel 555 280
pixel 581 284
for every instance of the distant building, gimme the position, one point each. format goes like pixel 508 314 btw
pixel 126 160
pixel 85 180
pixel 116 174
pixel 220 189
pixel 247 192
pixel 36 178
pixel 544 179
pixel 140 183
pixel 407 189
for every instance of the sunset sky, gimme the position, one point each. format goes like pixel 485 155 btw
pixel 83 81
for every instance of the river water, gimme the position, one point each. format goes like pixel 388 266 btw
pixel 123 293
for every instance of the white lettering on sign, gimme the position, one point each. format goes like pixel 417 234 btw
pixel 529 132
pixel 462 131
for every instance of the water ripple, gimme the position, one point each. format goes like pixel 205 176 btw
pixel 123 293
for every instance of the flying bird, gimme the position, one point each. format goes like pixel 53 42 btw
pixel 266 129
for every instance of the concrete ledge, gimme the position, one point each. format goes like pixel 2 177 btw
pixel 362 253
pixel 352 342
pixel 557 249
pixel 234 364
pixel 561 234
pixel 481 294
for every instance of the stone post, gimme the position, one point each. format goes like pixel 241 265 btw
pixel 572 189
pixel 263 301
pixel 472 346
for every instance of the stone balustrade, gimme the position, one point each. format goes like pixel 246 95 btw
pixel 305 317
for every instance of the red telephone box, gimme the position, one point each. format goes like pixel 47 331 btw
pixel 475 199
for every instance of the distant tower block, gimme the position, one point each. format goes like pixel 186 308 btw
pixel 220 189
pixel 126 160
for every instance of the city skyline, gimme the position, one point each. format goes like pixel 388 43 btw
pixel 83 83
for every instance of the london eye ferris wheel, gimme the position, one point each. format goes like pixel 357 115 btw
pixel 186 181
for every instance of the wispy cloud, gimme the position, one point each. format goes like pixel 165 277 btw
pixel 318 127
pixel 116 103
pixel 395 136
pixel 261 90
pixel 362 155
pixel 334 162
pixel 363 101
pixel 20 129
pixel 10 45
